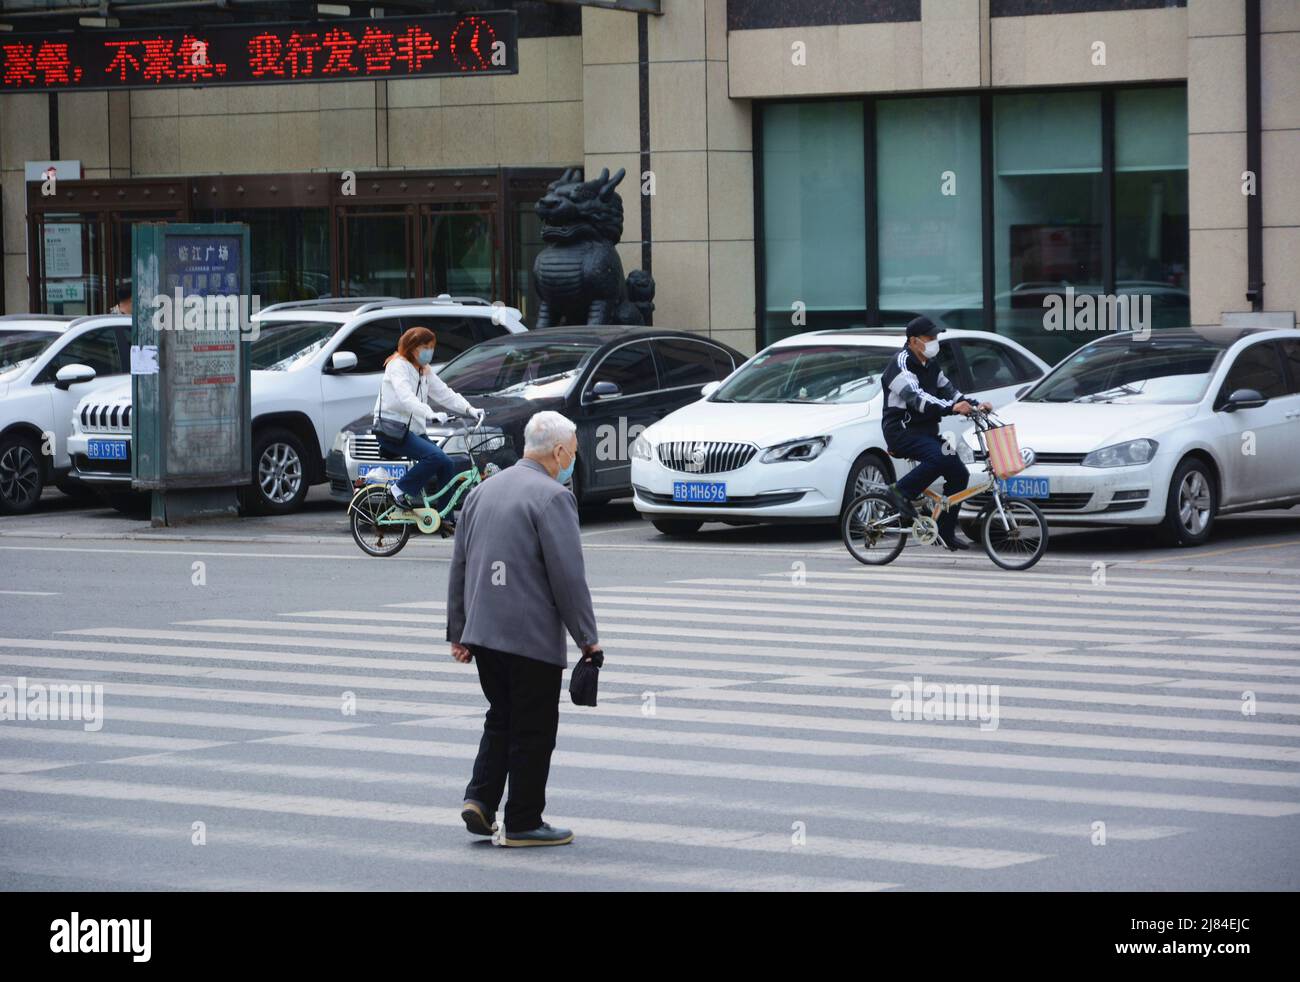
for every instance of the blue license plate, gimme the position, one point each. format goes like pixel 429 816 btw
pixel 1026 487
pixel 381 473
pixel 106 449
pixel 699 491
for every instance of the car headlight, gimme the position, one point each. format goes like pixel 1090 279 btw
pixel 806 448
pixel 1122 454
pixel 964 452
pixel 641 448
pixel 341 441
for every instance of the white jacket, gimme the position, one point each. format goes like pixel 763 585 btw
pixel 408 393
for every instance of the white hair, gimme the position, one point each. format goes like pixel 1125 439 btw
pixel 545 430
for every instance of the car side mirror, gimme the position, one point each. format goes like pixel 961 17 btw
pixel 1244 399
pixel 606 390
pixel 343 361
pixel 70 375
pixel 708 388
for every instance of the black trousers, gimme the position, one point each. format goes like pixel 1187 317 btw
pixel 523 714
pixel 927 450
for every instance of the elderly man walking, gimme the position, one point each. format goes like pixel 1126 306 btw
pixel 517 583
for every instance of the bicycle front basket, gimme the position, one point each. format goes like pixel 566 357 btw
pixel 1004 451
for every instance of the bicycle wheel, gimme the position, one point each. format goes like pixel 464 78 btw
pixel 872 530
pixel 375 539
pixel 1019 539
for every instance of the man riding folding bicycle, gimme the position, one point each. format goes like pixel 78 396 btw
pixel 917 396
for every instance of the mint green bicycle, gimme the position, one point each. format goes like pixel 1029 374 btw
pixel 382 528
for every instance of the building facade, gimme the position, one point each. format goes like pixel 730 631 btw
pixel 790 166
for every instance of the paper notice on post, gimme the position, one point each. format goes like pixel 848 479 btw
pixel 144 359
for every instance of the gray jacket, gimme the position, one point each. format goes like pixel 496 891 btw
pixel 517 575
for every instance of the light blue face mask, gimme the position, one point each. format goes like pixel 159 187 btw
pixel 567 472
pixel 425 356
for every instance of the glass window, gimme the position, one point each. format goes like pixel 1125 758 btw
pixel 289 250
pixel 18 349
pixel 930 212
pixel 1162 372
pixel 685 362
pixel 72 259
pixel 372 343
pixel 1258 368
pixel 1291 355
pixel 1048 210
pixel 824 373
pixel 528 244
pixel 460 254
pixel 101 349
pixel 814 222
pixel 1151 221
pixel 283 346
pixel 374 254
pixel 522 366
pixel 990 365
pixel 631 368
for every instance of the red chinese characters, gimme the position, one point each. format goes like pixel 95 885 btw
pixel 414 47
pixel 160 60
pixel 377 51
pixel 340 45
pixel 264 55
pixel 49 65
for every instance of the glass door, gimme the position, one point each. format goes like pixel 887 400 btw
pixel 71 263
pixel 377 251
pixel 460 251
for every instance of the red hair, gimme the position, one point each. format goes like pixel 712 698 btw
pixel 410 342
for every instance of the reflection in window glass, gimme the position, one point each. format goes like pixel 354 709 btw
pixel 1048 210
pixel 72 260
pixel 289 250
pixel 282 346
pixel 1151 221
pixel 821 373
pixel 1164 372
pixel 528 244
pixel 814 225
pixel 928 194
pixel 374 255
pixel 460 254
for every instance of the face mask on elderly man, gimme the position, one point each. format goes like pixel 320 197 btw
pixel 567 472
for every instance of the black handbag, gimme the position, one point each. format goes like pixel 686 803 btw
pixel 389 429
pixel 585 678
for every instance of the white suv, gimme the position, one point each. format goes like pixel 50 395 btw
pixel 47 363
pixel 316 366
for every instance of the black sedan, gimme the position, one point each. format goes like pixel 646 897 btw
pixel 612 381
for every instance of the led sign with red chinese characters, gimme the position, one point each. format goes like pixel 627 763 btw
pixel 316 51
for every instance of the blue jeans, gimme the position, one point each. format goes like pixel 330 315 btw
pixel 429 463
pixel 927 450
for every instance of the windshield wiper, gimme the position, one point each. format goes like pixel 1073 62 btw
pixel 533 381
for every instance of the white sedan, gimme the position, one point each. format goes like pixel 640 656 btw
pixel 795 432
pixel 1169 431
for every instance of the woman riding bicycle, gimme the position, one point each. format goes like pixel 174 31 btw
pixel 407 397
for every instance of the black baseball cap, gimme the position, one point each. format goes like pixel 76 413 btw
pixel 923 327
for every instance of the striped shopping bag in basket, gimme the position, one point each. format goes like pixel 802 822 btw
pixel 1004 450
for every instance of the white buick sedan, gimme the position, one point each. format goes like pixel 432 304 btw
pixel 795 432
pixel 1167 431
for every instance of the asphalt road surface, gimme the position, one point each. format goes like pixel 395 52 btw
pixel 281 713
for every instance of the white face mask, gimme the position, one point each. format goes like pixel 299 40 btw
pixel 931 349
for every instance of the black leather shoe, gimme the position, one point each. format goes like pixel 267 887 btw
pixel 543 835
pixel 405 501
pixel 447 529
pixel 478 819
pixel 905 507
pixel 953 542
